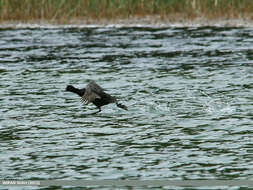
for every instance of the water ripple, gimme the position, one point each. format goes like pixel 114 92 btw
pixel 189 93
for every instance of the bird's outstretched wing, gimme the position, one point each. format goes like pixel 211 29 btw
pixel 92 91
pixel 95 87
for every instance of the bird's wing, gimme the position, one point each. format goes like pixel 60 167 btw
pixel 95 87
pixel 92 91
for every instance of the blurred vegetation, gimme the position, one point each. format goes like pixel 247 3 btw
pixel 65 11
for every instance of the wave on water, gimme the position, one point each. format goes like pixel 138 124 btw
pixel 140 23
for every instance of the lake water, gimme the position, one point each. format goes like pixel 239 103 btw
pixel 189 92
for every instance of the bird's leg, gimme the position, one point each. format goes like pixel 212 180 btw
pixel 97 111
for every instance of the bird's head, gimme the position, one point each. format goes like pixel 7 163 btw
pixel 69 88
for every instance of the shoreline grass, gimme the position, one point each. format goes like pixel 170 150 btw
pixel 88 11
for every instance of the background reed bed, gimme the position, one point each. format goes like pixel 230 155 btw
pixel 69 11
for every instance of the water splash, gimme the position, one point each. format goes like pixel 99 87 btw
pixel 192 102
pixel 218 105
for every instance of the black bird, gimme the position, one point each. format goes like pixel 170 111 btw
pixel 95 94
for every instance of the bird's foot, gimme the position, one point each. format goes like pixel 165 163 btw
pixel 96 112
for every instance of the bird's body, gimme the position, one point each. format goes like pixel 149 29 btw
pixel 93 93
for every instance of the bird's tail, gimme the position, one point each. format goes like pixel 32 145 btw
pixel 121 106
